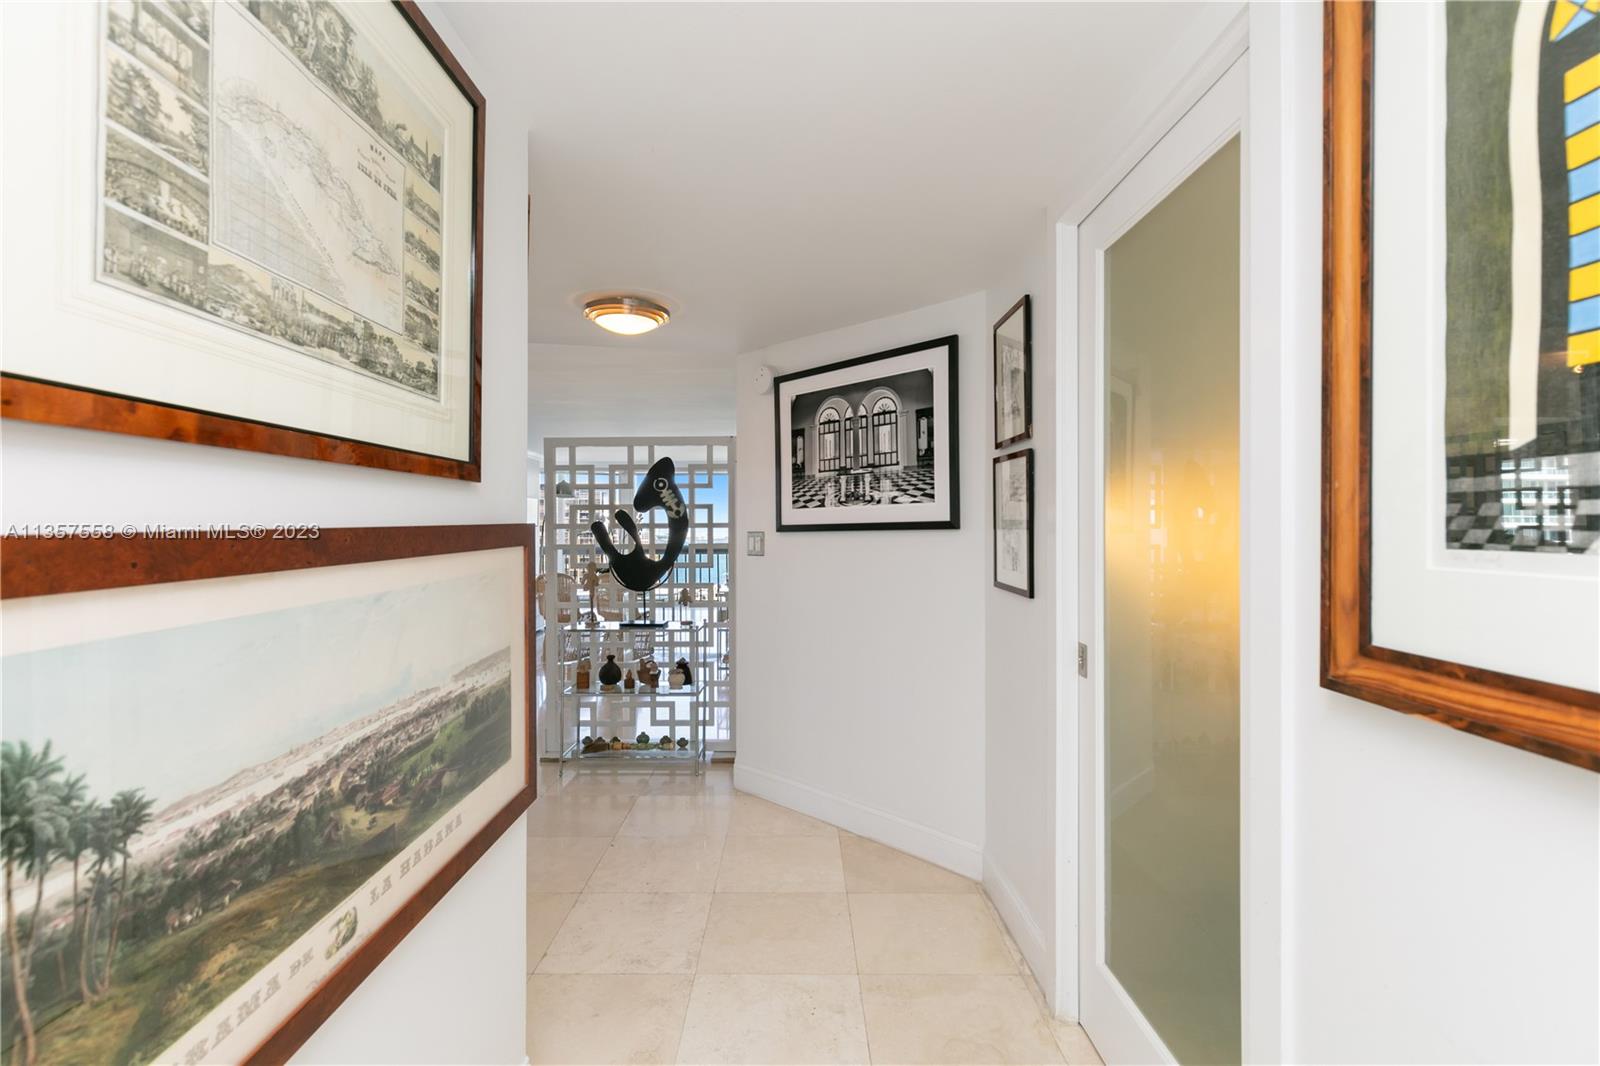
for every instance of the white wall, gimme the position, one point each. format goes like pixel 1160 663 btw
pixel 1023 663
pixel 1442 897
pixel 861 655
pixel 453 991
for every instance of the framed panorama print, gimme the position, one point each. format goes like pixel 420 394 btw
pixel 1013 374
pixel 870 443
pixel 237 772
pixel 1013 522
pixel 251 224
pixel 1461 515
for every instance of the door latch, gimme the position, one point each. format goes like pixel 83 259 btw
pixel 1083 660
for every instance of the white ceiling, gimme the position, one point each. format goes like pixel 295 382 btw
pixel 776 170
pixel 584 391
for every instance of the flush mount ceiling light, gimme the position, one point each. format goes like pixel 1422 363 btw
pixel 627 315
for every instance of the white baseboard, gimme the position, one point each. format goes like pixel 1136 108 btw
pixel 913 838
pixel 1024 930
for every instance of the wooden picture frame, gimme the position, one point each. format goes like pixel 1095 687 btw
pixel 1025 457
pixel 1554 720
pixel 862 468
pixel 38 571
pixel 35 397
pixel 1022 424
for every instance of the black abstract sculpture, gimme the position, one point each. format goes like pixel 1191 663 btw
pixel 636 570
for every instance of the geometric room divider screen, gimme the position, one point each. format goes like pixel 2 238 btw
pixel 586 479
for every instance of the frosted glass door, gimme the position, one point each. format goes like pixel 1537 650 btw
pixel 1171 621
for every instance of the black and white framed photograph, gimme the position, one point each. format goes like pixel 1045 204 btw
pixel 1013 374
pixel 870 443
pixel 1013 522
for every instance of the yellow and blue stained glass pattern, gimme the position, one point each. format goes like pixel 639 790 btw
pixel 1581 120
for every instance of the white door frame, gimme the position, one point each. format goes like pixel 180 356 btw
pixel 1270 155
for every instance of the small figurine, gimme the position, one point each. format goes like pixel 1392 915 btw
pixel 582 683
pixel 686 597
pixel 616 743
pixel 610 675
pixel 627 681
pixel 677 678
pixel 642 740
pixel 649 674
pixel 666 742
pixel 683 743
pixel 682 668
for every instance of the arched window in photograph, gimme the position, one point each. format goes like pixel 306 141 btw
pixel 863 438
pixel 828 440
pixel 885 432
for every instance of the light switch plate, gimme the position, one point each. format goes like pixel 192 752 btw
pixel 755 542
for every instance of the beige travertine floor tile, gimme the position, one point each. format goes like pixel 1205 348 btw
pixel 563 864
pixel 926 932
pixel 781 864
pixel 546 912
pixel 777 933
pixel 753 816
pixel 605 1018
pixel 963 1019
pixel 590 781
pixel 872 867
pixel 714 784
pixel 675 816
pixel 1076 1047
pixel 771 1019
pixel 569 814
pixel 658 864
pixel 654 932
pixel 1018 960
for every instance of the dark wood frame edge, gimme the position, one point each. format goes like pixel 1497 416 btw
pixel 39 566
pixel 994 545
pixel 953 388
pixel 81 407
pixel 1026 304
pixel 1552 720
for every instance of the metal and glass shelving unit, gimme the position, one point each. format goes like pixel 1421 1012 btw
pixel 679 713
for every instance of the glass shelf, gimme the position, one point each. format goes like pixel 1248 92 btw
pixel 659 754
pixel 639 695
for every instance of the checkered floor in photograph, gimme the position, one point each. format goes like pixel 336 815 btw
pixel 1544 508
pixel 908 485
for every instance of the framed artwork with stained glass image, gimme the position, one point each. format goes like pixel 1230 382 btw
pixel 1462 367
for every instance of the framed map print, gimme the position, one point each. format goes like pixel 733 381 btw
pixel 270 236
pixel 870 442
pixel 237 772
pixel 1461 459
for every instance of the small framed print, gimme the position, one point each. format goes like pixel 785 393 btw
pixel 870 443
pixel 261 227
pixel 1013 374
pixel 1013 522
